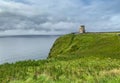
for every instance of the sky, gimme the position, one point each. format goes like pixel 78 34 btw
pixel 19 17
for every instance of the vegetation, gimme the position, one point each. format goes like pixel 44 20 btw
pixel 74 58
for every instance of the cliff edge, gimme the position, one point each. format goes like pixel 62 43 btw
pixel 88 44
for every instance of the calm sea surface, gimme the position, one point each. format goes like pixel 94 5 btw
pixel 20 48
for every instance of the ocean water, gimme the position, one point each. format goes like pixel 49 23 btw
pixel 19 48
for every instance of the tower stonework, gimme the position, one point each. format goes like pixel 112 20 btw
pixel 82 29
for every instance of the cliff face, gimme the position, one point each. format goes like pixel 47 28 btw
pixel 89 44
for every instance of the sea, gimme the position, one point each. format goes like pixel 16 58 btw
pixel 25 47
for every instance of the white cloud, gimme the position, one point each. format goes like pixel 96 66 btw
pixel 59 16
pixel 1 10
pixel 29 32
pixel 59 25
pixel 15 7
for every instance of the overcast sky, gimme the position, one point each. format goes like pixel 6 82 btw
pixel 58 16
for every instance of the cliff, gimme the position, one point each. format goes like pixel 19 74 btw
pixel 74 58
pixel 89 44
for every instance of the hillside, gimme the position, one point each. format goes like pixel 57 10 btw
pixel 74 58
pixel 89 44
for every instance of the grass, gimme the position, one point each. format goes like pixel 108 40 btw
pixel 74 58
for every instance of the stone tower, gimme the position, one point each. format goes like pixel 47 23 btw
pixel 82 29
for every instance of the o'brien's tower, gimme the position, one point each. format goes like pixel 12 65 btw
pixel 82 29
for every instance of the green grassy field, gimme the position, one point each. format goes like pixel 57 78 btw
pixel 74 58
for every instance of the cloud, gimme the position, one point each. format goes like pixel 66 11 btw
pixel 58 16
pixel 16 7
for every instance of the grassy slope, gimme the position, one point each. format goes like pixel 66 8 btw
pixel 101 44
pixel 89 58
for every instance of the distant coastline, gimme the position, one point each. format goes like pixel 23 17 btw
pixel 26 36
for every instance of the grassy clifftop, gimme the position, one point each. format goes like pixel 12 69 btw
pixel 89 44
pixel 74 58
